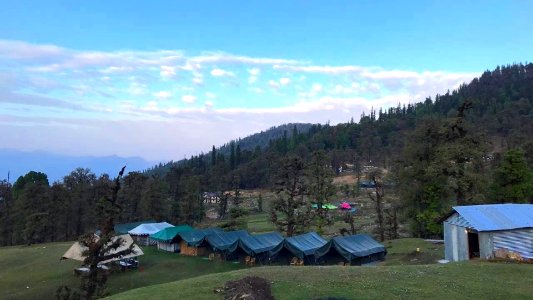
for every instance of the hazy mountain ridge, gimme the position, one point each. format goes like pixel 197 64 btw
pixel 56 166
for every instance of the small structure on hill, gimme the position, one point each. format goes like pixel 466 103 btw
pixel 192 242
pixel 355 250
pixel 211 197
pixel 141 234
pixel 489 231
pixel 168 238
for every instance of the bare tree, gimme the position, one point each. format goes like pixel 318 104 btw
pixel 102 248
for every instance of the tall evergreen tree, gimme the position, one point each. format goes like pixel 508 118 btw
pixel 513 179
pixel 232 155
pixel 289 211
pixel 213 156
pixel 320 187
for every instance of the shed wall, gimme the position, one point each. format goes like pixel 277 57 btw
pixel 455 242
pixel 518 240
pixel 486 246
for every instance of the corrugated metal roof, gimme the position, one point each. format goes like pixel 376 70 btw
pixel 457 219
pixel 491 217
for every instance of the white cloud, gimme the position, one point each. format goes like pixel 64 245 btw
pixel 167 71
pixel 125 80
pixel 188 99
pixel 284 81
pixel 163 95
pixel 137 89
pixel 116 69
pixel 331 70
pixel 198 79
pixel 254 71
pixel 256 90
pixel 208 104
pixel 273 84
pixel 221 73
pixel 317 87
pixel 222 58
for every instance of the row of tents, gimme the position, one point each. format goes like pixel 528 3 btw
pixel 309 248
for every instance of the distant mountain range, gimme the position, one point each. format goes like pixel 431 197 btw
pixel 56 166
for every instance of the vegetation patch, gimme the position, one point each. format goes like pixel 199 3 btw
pixel 248 288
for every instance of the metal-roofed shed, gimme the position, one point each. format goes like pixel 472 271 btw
pixel 480 230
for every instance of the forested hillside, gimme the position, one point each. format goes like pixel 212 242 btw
pixel 470 145
pixel 259 140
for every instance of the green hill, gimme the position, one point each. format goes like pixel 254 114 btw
pixel 31 272
pixel 35 272
pixel 473 280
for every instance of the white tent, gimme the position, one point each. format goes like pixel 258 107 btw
pixel 76 250
pixel 141 233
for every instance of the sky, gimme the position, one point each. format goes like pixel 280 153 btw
pixel 164 80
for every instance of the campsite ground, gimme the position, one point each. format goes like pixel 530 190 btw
pixel 35 272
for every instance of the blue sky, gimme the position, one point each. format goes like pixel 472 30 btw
pixel 167 79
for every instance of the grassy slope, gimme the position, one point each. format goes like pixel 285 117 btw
pixel 452 281
pixel 38 267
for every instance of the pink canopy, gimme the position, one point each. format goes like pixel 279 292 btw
pixel 345 205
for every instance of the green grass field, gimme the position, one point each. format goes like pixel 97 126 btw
pixel 36 271
pixel 474 280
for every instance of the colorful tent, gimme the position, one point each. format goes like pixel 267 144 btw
pixel 325 206
pixel 345 205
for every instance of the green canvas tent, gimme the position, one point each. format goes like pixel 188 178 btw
pixel 356 249
pixel 262 246
pixel 225 242
pixel 192 242
pixel 168 238
pixel 195 237
pixel 308 246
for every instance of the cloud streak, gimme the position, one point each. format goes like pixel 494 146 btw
pixel 197 99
